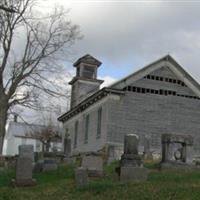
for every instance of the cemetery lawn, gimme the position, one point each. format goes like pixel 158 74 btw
pixel 60 185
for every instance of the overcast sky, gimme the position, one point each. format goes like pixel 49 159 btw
pixel 126 35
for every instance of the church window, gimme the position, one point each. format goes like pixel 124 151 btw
pixel 75 134
pixel 87 121
pixel 99 122
pixel 88 71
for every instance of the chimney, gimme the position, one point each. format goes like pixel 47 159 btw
pixel 85 83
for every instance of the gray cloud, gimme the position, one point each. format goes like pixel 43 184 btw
pixel 126 36
pixel 134 34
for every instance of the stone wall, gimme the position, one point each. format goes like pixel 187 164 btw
pixel 94 143
pixel 154 114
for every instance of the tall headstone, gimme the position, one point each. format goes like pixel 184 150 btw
pixel 24 167
pixel 147 153
pixel 67 147
pixel 67 151
pixel 130 156
pixel 131 165
pixel 26 151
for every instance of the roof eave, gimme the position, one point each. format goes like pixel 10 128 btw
pixel 87 102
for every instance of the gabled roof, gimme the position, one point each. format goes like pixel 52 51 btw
pixel 168 61
pixel 88 59
pixel 117 87
pixel 20 129
pixel 88 102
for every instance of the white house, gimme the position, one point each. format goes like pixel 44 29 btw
pixel 18 133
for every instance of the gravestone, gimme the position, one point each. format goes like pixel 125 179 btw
pixel 94 164
pixel 177 150
pixel 49 165
pixel 26 151
pixel 67 151
pixel 24 167
pixel 38 167
pixel 131 164
pixel 81 177
pixel 67 147
pixel 147 153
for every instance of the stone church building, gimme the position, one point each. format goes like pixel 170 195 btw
pixel 158 99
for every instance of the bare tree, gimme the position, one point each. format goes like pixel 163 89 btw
pixel 46 135
pixel 26 69
pixel 4 8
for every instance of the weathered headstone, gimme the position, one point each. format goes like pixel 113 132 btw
pixel 67 147
pixel 147 153
pixel 26 151
pixel 24 167
pixel 50 165
pixel 94 164
pixel 81 177
pixel 131 165
pixel 130 156
pixel 67 151
pixel 177 150
pixel 38 167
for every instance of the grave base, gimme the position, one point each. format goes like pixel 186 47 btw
pixel 177 165
pixel 135 174
pixel 95 173
pixel 23 183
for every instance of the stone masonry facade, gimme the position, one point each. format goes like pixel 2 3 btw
pixel 159 102
pixel 150 114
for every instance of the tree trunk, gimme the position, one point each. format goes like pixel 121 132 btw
pixel 43 147
pixel 3 120
pixel 48 146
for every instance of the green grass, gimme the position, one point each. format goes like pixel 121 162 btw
pixel 60 185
